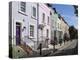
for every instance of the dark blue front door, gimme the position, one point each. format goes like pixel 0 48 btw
pixel 18 33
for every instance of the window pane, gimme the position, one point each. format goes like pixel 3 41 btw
pixel 31 30
pixel 43 16
pixel 23 6
pixel 47 33
pixel 48 20
pixel 34 11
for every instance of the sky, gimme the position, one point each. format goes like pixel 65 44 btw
pixel 67 12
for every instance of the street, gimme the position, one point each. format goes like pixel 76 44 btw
pixel 71 49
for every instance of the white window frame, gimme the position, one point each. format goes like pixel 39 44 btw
pixel 31 35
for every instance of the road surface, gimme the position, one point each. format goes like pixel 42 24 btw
pixel 71 49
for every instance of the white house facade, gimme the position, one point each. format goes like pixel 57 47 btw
pixel 30 24
pixel 44 25
pixel 24 23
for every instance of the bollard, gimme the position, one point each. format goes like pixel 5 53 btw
pixel 40 49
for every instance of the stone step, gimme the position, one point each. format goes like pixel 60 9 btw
pixel 26 48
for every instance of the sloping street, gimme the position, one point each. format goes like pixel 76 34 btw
pixel 69 49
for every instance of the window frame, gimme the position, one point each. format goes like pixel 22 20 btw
pixel 23 7
pixel 48 20
pixel 31 31
pixel 43 17
pixel 34 12
pixel 47 33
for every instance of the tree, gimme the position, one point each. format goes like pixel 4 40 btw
pixel 75 10
pixel 60 41
pixel 54 42
pixel 66 37
pixel 73 32
pixel 76 34
pixel 49 5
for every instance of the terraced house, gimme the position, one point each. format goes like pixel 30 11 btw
pixel 44 25
pixel 24 25
pixel 56 32
pixel 64 28
pixel 32 24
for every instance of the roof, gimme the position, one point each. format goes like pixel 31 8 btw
pixel 64 21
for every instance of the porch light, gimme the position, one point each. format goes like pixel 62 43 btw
pixel 23 28
pixel 41 26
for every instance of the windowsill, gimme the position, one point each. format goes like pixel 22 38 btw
pixel 48 24
pixel 34 17
pixel 24 13
pixel 30 37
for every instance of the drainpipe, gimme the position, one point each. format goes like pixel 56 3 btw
pixel 10 31
pixel 37 24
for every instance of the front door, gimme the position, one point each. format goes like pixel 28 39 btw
pixel 18 33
